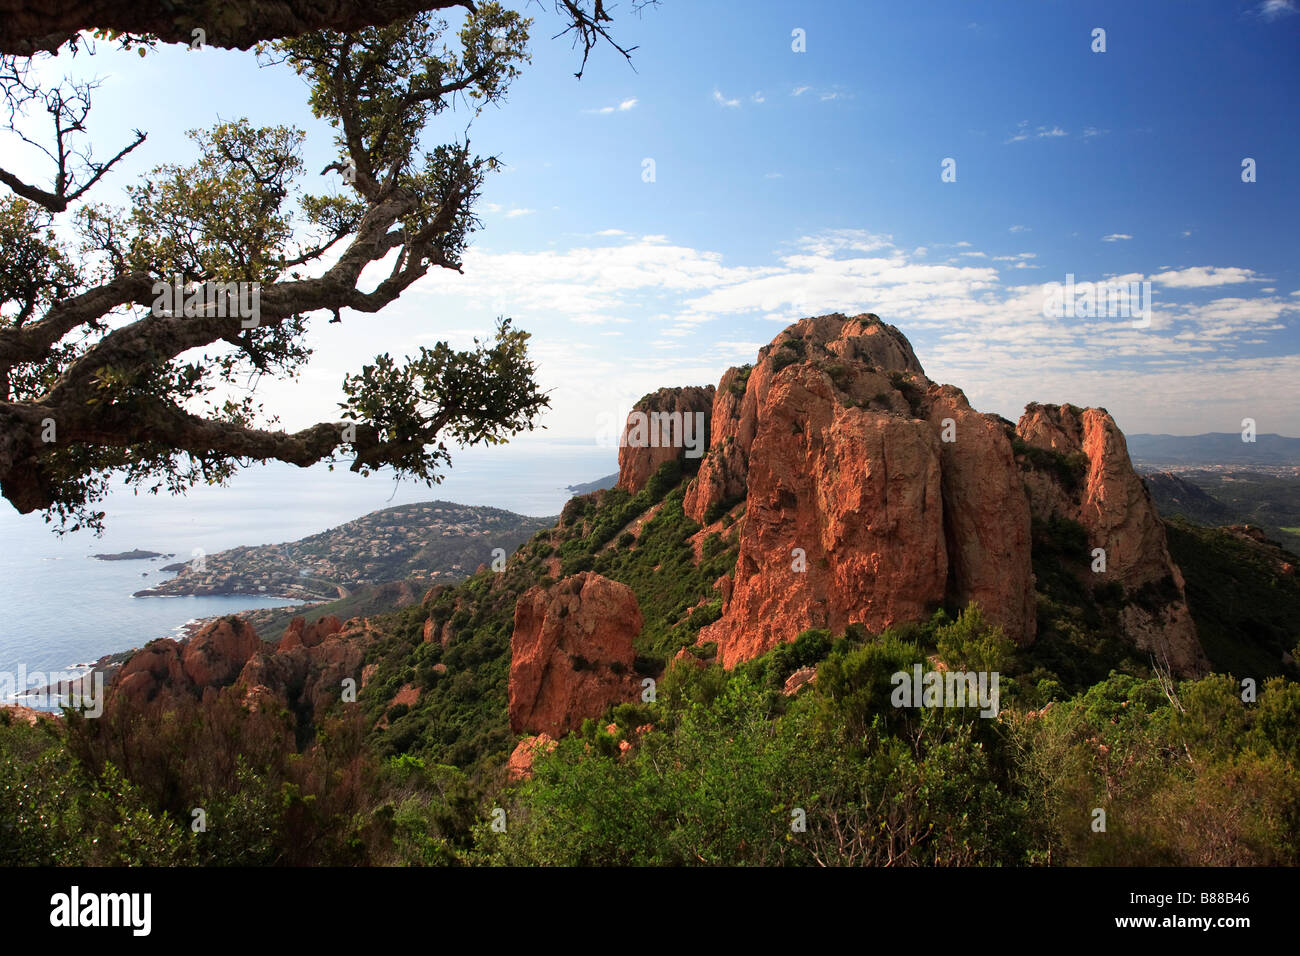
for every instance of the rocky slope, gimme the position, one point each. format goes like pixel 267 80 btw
pixel 303 674
pixel 662 432
pixel 840 487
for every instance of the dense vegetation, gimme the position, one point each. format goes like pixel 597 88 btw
pixel 722 766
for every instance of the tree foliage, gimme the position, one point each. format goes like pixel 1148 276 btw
pixel 136 350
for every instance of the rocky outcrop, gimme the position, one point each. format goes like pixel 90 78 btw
pixel 860 342
pixel 211 659
pixel 308 677
pixel 572 653
pixel 1079 470
pixel 872 495
pixel 300 634
pixel 520 765
pixel 17 712
pixel 215 655
pixel 843 521
pixel 986 513
pixel 304 673
pixel 666 425
pixel 800 679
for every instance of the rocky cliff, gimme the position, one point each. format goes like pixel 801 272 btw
pixel 869 494
pixel 572 653
pixel 1093 484
pixel 661 427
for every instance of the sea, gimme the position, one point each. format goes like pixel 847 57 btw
pixel 61 609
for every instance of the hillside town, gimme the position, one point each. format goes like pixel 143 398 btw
pixel 437 541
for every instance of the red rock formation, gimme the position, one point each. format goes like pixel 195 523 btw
pixel 1114 507
pixel 148 670
pixel 520 765
pixel 25 714
pixel 212 658
pixel 304 673
pixel 861 342
pixel 986 514
pixel 858 491
pixel 301 634
pixel 572 653
pixel 215 655
pixel 647 442
pixel 799 680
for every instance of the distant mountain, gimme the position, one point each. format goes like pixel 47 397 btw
pixel 600 484
pixel 1176 495
pixel 1213 448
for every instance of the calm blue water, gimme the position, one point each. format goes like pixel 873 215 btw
pixel 59 607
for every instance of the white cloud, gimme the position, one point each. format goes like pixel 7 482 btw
pixel 800 90
pixel 1276 9
pixel 516 213
pixel 970 322
pixel 1023 132
pixel 723 101
pixel 622 107
pixel 1201 276
pixel 1116 237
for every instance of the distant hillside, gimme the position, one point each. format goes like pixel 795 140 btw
pixel 1214 498
pixel 433 541
pixel 1243 592
pixel 1213 448
pixel 600 484
pixel 367 601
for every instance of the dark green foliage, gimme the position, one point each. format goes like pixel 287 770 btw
pixel 1270 502
pixel 787 353
pixel 1068 470
pixel 1062 538
pixel 839 374
pixel 725 779
pixel 720 509
pixel 911 391
pixel 971 643
pixel 738 383
pixel 1187 774
pixel 1244 606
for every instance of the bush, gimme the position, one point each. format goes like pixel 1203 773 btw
pixel 971 644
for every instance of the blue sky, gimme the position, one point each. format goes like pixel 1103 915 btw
pixel 796 183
